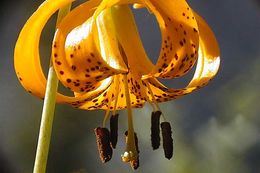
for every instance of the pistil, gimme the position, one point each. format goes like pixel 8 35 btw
pixel 131 153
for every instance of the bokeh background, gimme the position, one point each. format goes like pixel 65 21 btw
pixel 216 129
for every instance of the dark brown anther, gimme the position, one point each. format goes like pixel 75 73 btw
pixel 103 143
pixel 114 130
pixel 167 139
pixel 135 163
pixel 155 129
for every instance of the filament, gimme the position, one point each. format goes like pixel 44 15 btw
pixel 154 100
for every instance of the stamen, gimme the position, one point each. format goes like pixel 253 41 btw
pixel 167 139
pixel 130 153
pixel 154 100
pixel 155 129
pixel 114 130
pixel 116 78
pixel 103 143
pixel 151 103
pixel 114 117
pixel 106 117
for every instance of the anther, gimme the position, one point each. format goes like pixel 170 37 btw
pixel 155 129
pixel 113 130
pixel 103 143
pixel 167 139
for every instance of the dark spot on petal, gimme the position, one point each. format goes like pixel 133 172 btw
pixel 68 80
pixel 73 67
pixel 58 62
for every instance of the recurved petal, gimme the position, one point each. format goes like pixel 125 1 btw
pixel 26 56
pixel 85 50
pixel 209 55
pixel 103 101
pixel 206 69
pixel 128 36
pixel 180 37
pixel 179 32
pixel 162 93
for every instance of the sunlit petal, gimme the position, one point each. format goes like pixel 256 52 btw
pixel 26 56
pixel 180 37
pixel 85 55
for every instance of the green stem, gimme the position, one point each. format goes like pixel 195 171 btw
pixel 48 112
pixel 46 123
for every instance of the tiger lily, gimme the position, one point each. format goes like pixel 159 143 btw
pixel 97 53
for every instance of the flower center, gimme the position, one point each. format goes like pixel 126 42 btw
pixel 130 89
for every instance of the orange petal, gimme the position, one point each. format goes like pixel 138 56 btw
pixel 180 38
pixel 86 54
pixel 206 69
pixel 26 55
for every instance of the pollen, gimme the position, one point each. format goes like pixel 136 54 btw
pixel 103 143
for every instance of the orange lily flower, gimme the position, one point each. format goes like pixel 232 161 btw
pixel 97 53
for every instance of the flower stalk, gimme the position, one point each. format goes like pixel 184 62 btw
pixel 46 123
pixel 48 112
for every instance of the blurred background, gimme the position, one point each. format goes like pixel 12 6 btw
pixel 216 129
